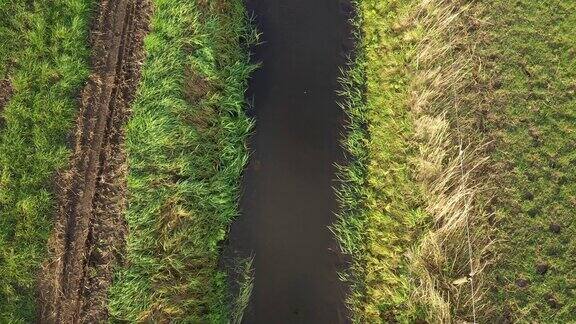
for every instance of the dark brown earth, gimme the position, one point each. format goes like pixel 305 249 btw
pixel 90 231
pixel 5 95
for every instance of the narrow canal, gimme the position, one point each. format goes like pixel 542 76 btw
pixel 288 198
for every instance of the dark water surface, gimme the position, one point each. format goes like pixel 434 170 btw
pixel 288 198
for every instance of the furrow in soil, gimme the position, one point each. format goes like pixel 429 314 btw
pixel 90 231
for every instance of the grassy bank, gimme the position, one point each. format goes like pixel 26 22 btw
pixel 458 203
pixel 44 55
pixel 380 200
pixel 414 218
pixel 534 54
pixel 186 147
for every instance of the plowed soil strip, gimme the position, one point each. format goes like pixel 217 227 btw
pixel 89 230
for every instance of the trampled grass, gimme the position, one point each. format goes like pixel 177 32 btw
pixel 451 101
pixel 186 147
pixel 44 54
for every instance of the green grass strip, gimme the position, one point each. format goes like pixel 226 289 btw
pixel 186 147
pixel 535 58
pixel 44 53
pixel 380 200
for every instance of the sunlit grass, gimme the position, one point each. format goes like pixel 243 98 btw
pixel 534 56
pixel 44 54
pixel 411 219
pixel 380 201
pixel 186 151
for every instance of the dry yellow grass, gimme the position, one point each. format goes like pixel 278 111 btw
pixel 415 199
pixel 447 265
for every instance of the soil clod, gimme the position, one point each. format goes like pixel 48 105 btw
pixel 5 95
pixel 522 283
pixel 5 92
pixel 555 228
pixel 552 301
pixel 542 268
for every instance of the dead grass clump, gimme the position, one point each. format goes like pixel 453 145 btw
pixel 196 86
pixel 447 264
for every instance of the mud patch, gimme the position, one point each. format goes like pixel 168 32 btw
pixel 5 95
pixel 90 231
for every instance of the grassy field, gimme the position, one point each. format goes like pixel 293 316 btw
pixel 44 55
pixel 458 203
pixel 535 57
pixel 186 147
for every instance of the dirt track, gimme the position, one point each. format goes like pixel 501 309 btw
pixel 89 233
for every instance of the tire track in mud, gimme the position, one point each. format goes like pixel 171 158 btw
pixel 90 230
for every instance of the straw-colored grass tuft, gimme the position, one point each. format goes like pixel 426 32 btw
pixel 447 265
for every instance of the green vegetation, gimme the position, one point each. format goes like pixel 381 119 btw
pixel 380 200
pixel 44 54
pixel 414 219
pixel 534 55
pixel 245 271
pixel 459 108
pixel 457 204
pixel 186 147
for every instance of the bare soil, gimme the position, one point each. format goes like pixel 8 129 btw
pixel 90 230
pixel 5 95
